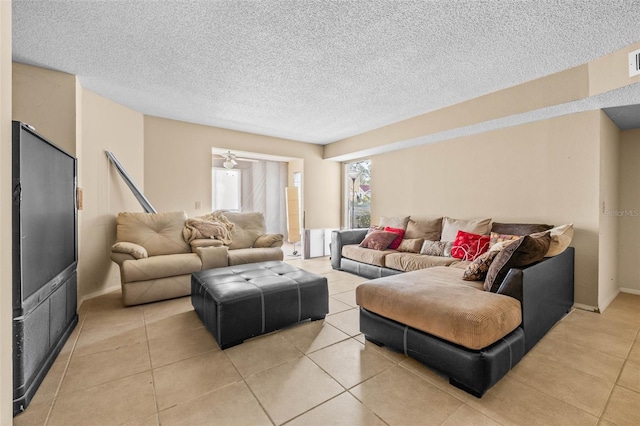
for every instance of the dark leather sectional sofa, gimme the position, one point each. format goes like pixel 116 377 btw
pixel 544 291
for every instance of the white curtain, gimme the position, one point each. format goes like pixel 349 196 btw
pixel 263 190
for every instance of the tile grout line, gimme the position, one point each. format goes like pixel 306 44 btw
pixel 153 377
pixel 606 405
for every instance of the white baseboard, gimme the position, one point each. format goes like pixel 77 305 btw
pixel 586 307
pixel 630 290
pixel 607 302
pixel 97 293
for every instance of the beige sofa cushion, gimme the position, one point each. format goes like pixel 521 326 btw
pixel 437 301
pixel 413 261
pixel 160 266
pixel 248 227
pixel 253 255
pixel 158 233
pixel 365 255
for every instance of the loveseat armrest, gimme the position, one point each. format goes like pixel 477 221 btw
pixel 204 242
pixel 127 251
pixel 213 257
pixel 344 237
pixel 269 240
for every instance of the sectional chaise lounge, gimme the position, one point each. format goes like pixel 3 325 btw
pixel 472 331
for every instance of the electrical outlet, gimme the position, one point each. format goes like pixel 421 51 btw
pixel 198 205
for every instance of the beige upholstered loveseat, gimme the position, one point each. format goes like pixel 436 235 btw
pixel 156 262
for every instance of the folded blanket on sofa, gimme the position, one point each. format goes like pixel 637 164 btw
pixel 212 225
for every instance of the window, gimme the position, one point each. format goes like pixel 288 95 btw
pixel 226 189
pixel 358 194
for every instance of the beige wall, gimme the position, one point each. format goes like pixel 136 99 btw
pixel 629 221
pixel 6 388
pixel 542 172
pixel 608 242
pixel 177 168
pixel 105 126
pixel 46 100
pixel 529 96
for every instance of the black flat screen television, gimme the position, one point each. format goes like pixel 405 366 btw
pixel 44 216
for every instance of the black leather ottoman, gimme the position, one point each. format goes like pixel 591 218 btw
pixel 243 301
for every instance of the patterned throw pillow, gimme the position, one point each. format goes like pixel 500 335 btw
pixel 468 246
pixel 499 238
pixel 395 243
pixel 435 248
pixel 477 270
pixel 375 228
pixel 378 240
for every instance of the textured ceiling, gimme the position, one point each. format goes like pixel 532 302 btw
pixel 313 71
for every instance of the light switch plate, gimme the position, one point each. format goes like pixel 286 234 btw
pixel 634 63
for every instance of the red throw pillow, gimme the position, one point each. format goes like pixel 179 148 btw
pixel 396 243
pixel 468 246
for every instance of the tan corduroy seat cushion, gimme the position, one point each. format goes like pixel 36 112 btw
pixel 365 255
pixel 439 302
pixel 412 262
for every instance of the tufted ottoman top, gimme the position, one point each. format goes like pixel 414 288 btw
pixel 239 302
pixel 235 281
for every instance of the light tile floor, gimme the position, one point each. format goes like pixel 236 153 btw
pixel 156 364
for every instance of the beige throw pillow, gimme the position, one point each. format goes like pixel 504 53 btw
pixel 425 229
pixel 450 227
pixel 394 222
pixel 412 245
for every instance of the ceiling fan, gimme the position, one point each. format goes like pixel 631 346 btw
pixel 231 160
